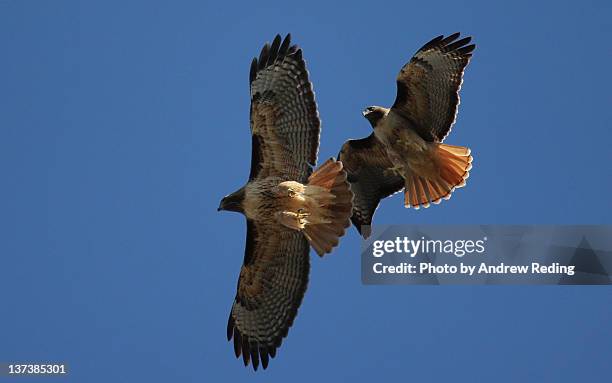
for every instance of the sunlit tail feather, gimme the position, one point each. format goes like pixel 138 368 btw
pixel 455 163
pixel 330 217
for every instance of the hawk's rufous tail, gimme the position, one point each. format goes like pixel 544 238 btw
pixel 454 164
pixel 329 187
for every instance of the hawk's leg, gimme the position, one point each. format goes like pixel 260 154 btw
pixel 293 220
pixel 301 217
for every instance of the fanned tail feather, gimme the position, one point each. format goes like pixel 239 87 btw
pixel 455 163
pixel 330 189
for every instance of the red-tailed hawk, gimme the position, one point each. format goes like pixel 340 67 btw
pixel 405 151
pixel 287 206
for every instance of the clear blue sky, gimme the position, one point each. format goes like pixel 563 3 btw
pixel 123 123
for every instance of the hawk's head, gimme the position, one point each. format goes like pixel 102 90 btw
pixel 374 114
pixel 233 202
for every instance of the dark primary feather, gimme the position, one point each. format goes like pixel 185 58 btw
pixel 428 86
pixel 284 114
pixel 366 161
pixel 271 286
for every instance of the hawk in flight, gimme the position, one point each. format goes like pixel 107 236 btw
pixel 405 151
pixel 287 206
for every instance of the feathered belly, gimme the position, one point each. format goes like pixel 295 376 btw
pixel 285 202
pixel 408 152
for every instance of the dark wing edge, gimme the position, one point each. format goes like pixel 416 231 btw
pixel 428 85
pixel 366 163
pixel 279 80
pixel 271 286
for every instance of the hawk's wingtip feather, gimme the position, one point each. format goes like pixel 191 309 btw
pixel 450 38
pixel 458 44
pixel 263 56
pixel 230 327
pixel 270 53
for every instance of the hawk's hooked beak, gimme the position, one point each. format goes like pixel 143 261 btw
pixel 373 114
pixel 233 202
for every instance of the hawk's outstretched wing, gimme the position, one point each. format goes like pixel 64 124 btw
pixel 271 286
pixel 285 122
pixel 428 86
pixel 367 165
